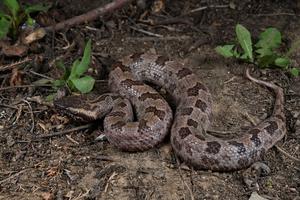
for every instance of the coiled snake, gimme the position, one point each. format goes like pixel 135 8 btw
pixel 155 119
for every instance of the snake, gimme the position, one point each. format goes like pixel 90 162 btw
pixel 138 118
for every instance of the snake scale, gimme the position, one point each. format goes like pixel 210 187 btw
pixel 154 118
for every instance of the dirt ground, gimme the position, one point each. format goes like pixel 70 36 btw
pixel 76 166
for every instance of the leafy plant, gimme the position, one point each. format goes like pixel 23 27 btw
pixel 263 53
pixel 15 14
pixel 74 78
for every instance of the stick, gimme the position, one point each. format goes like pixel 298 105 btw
pixel 61 133
pixel 89 16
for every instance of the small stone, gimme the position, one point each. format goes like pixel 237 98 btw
pixel 255 196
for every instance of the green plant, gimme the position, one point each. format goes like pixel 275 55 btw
pixel 263 53
pixel 15 14
pixel 74 78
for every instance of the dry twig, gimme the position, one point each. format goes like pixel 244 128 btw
pixel 89 16
pixel 287 154
pixel 61 133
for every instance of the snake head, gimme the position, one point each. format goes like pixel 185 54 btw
pixel 79 108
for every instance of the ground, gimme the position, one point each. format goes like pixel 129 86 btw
pixel 76 166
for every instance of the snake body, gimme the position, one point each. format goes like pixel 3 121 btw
pixel 155 118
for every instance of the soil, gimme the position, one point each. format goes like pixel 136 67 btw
pixel 74 165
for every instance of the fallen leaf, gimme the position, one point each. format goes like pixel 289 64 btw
pixel 16 77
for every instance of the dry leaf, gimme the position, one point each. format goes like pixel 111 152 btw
pixel 34 36
pixel 15 50
pixel 16 77
pixel 158 6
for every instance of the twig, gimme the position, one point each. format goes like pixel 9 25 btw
pixel 146 32
pixel 72 140
pixel 61 133
pixel 275 14
pixel 18 115
pixel 250 119
pixel 167 38
pixel 40 75
pixel 31 115
pixel 187 186
pixel 24 86
pixel 206 7
pixel 8 106
pixel 13 176
pixel 287 154
pixel 89 16
pixel 12 65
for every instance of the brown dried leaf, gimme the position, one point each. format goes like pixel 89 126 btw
pixel 15 50
pixel 158 6
pixel 16 77
pixel 34 36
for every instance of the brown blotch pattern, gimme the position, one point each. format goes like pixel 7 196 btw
pixel 122 104
pixel 188 149
pixel 186 111
pixel 136 57
pixel 193 123
pixel 117 114
pixel 201 104
pixel 240 146
pixel 184 132
pixel 194 91
pixel 209 161
pixel 272 127
pixel 254 137
pixel 161 60
pixel 159 113
pixel 130 82
pixel 184 72
pixel 149 95
pixel 213 147
pixel 143 126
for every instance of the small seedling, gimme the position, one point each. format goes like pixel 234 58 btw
pixel 263 53
pixel 14 15
pixel 74 78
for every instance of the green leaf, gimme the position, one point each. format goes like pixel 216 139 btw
pixel 41 81
pixel 58 83
pixel 50 97
pixel 85 61
pixel 73 73
pixel 36 8
pixel 282 62
pixel 5 25
pixel 30 21
pixel 236 53
pixel 266 60
pixel 244 38
pixel 5 15
pixel 294 71
pixel 84 84
pixel 269 39
pixel 225 50
pixel 13 7
pixel 264 52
